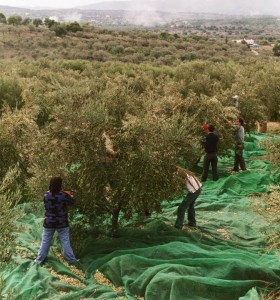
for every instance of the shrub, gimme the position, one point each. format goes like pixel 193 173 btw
pixel 75 65
pixel 10 194
pixel 10 93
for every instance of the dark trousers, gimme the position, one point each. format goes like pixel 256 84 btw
pixel 210 158
pixel 187 204
pixel 238 158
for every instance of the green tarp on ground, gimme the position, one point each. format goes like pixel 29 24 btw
pixel 223 259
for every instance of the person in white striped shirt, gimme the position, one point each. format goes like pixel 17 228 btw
pixel 193 186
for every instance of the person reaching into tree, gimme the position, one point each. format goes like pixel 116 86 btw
pixel 193 186
pixel 56 202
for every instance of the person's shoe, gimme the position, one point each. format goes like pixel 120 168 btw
pixel 147 213
pixel 39 263
pixel 177 227
pixel 192 224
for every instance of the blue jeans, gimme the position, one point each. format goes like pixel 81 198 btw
pixel 187 204
pixel 47 236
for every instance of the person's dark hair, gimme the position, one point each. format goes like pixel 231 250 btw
pixel 55 185
pixel 211 127
pixel 241 121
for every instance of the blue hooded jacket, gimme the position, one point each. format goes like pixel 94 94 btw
pixel 56 215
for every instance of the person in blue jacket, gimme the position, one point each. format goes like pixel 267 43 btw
pixel 56 203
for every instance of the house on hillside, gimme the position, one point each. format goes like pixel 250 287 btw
pixel 249 43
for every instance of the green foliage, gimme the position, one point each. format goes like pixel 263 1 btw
pixel 80 230
pixel 276 49
pixel 9 197
pixel 14 20
pixel 49 22
pixel 17 133
pixel 59 29
pixel 37 22
pixel 26 21
pixel 3 19
pixel 74 27
pixel 76 65
pixel 10 93
pixel 266 86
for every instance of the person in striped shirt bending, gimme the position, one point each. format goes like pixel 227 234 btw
pixel 193 186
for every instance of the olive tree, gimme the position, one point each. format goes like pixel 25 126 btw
pixel 14 20
pixel 3 19
pixel 38 22
pixel 141 112
pixel 149 134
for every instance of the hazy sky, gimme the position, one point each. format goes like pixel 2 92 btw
pixel 50 3
pixel 249 7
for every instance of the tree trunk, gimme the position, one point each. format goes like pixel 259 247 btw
pixel 115 221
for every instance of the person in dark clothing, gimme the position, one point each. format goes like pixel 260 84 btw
pixel 239 146
pixel 56 202
pixel 210 157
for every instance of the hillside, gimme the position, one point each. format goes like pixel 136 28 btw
pixel 167 46
pixel 113 112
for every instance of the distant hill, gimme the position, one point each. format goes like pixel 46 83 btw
pixel 228 7
pixel 150 12
pixel 111 5
pixel 236 7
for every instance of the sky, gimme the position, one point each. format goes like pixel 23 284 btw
pixel 50 3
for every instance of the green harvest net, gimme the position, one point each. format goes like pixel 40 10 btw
pixel 224 258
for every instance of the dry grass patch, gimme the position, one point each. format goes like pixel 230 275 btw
pixel 270 296
pixel 101 279
pixel 268 205
pixel 273 128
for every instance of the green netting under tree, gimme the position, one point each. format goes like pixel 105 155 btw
pixel 225 257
